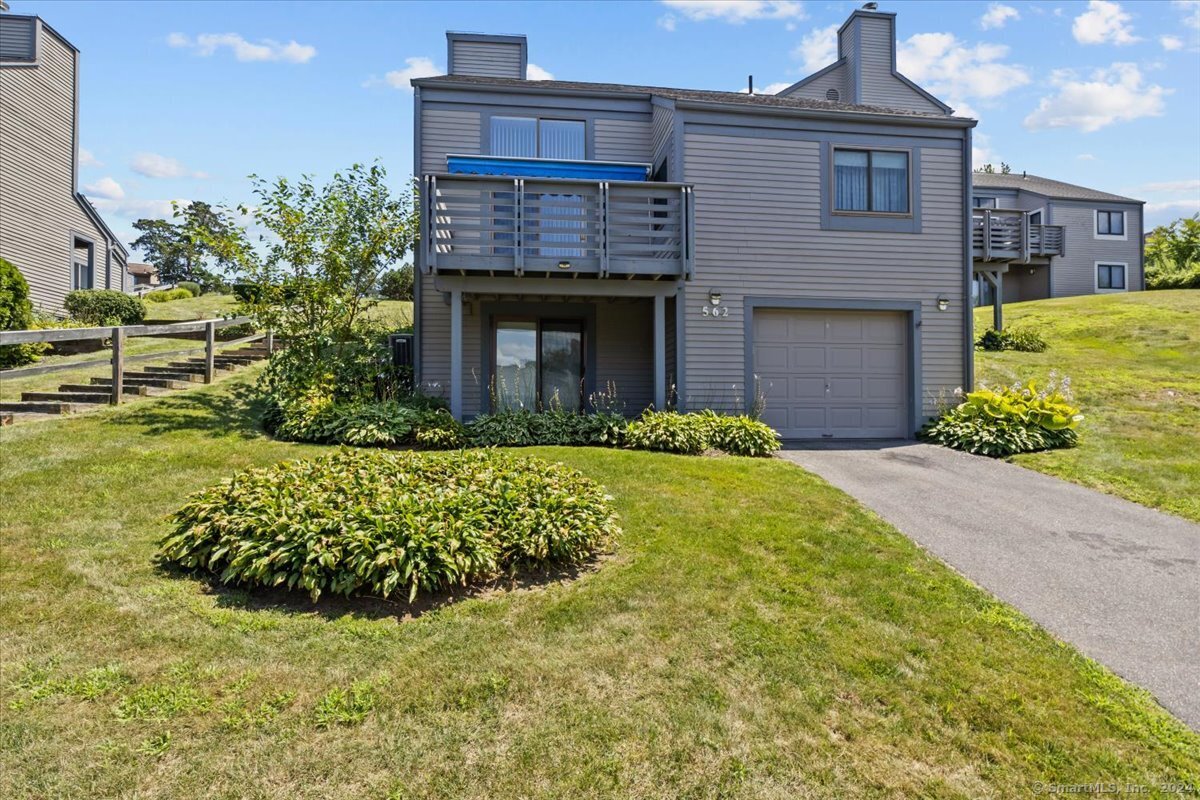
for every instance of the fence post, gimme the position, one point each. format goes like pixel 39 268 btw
pixel 118 365
pixel 270 341
pixel 210 348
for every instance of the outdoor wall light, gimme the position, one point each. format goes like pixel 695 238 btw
pixel 714 297
pixel 943 302
pixel 564 265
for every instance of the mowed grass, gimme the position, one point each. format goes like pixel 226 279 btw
pixel 753 634
pixel 212 306
pixel 1134 364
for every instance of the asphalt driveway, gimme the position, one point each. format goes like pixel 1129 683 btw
pixel 1118 580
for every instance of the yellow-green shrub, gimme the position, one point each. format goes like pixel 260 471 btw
pixel 1002 422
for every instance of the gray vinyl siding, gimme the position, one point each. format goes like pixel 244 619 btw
pixel 848 49
pixel 623 140
pixel 880 86
pixel 488 59
pixel 759 234
pixel 1074 273
pixel 38 208
pixel 447 131
pixel 818 87
pixel 662 136
pixel 624 355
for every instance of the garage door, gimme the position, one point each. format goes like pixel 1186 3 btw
pixel 833 374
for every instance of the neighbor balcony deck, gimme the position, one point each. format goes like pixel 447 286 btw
pixel 1007 235
pixel 557 227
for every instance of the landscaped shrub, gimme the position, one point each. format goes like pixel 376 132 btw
pixel 105 307
pixel 16 314
pixel 386 522
pixel 1024 341
pixel 521 428
pixel 668 431
pixel 191 287
pixel 318 419
pixel 167 295
pixel 1017 419
pixel 740 435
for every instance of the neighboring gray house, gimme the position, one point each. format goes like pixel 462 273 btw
pixel 694 247
pixel 47 228
pixel 1101 238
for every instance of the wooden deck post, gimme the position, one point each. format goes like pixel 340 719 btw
pixel 456 354
pixel 660 352
pixel 118 365
pixel 210 350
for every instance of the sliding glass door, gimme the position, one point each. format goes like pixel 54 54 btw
pixel 539 364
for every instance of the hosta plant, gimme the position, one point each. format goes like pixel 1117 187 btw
pixel 668 431
pixel 1019 339
pixel 739 435
pixel 388 523
pixel 1016 419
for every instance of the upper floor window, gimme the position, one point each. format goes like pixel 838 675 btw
pixel 530 137
pixel 1110 223
pixel 873 181
pixel 985 202
pixel 18 38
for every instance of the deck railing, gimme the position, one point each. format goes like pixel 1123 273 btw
pixel 480 224
pixel 1007 235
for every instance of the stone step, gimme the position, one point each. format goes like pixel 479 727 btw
pixel 147 381
pixel 65 397
pixel 174 372
pixel 25 407
pixel 88 388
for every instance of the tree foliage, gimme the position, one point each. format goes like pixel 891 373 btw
pixel 182 250
pixel 990 169
pixel 397 284
pixel 1173 255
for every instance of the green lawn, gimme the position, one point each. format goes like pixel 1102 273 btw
pixel 754 634
pixel 1134 364
pixel 210 306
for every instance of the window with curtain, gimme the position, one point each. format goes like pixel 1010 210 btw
pixel 530 137
pixel 1110 223
pixel 870 180
pixel 985 202
pixel 1110 276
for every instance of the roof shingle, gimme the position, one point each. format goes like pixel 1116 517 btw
pixel 1044 186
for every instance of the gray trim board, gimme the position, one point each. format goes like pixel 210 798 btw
pixel 509 96
pixel 968 270
pixel 419 246
pixel 743 124
pixel 681 349
pixel 555 287
pixel 911 307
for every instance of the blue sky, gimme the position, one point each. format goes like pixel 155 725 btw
pixel 184 100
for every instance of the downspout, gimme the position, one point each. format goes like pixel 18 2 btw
pixel 418 251
pixel 968 309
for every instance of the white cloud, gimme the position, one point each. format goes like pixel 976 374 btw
pixel 1114 94
pixel 415 67
pixel 1190 10
pixel 152 165
pixel 87 159
pixel 1170 42
pixel 737 11
pixel 667 22
pixel 535 73
pixel 982 152
pixel 1085 157
pixel 131 208
pixel 1189 207
pixel 956 72
pixel 1104 22
pixel 818 48
pixel 770 88
pixel 998 15
pixel 106 188
pixel 206 44
pixel 1172 186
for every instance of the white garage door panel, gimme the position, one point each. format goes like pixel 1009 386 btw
pixel 839 374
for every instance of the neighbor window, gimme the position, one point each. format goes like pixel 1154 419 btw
pixel 530 137
pixel 1110 276
pixel 871 181
pixel 1035 217
pixel 1110 223
pixel 985 202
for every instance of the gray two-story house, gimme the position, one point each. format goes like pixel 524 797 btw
pixel 696 248
pixel 1099 248
pixel 48 229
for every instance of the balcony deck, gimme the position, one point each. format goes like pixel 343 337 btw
pixel 1002 235
pixel 557 227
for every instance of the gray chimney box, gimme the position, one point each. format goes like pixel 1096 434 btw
pixel 486 55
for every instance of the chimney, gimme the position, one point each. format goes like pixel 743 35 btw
pixel 486 55
pixel 867 40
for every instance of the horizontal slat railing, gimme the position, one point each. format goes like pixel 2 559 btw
pixel 1007 235
pixel 557 226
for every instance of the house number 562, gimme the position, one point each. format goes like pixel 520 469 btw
pixel 715 311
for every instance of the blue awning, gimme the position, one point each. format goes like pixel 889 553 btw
pixel 546 168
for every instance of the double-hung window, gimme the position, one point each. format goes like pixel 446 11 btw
pixel 531 137
pixel 870 181
pixel 1110 277
pixel 1110 223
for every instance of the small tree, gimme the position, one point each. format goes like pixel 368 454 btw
pixel 183 250
pixel 397 284
pixel 991 170
pixel 1173 255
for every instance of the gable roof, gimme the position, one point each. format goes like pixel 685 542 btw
pixel 1043 186
pixel 749 101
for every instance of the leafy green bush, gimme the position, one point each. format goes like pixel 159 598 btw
pixel 16 314
pixel 1173 255
pixel 386 522
pixel 191 287
pixel 366 424
pixel 668 431
pixel 740 435
pixel 1017 419
pixel 1011 339
pixel 521 428
pixel 104 307
pixel 397 284
pixel 167 295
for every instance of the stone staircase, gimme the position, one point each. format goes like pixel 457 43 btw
pixel 151 380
